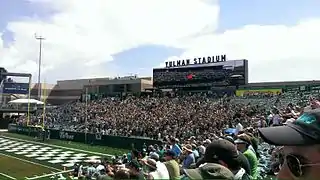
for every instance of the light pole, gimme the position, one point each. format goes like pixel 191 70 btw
pixel 40 39
pixel 86 119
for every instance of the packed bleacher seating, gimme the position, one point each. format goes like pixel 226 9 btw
pixel 191 129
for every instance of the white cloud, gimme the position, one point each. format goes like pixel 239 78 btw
pixel 275 53
pixel 84 34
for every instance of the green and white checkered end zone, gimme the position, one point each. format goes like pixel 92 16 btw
pixel 41 152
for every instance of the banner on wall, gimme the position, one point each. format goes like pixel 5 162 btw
pixel 244 91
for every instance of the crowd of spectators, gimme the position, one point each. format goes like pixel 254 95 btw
pixel 192 129
pixel 153 117
pixel 178 161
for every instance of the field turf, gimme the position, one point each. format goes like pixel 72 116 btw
pixel 69 144
pixel 16 168
pixel 22 156
pixel 14 165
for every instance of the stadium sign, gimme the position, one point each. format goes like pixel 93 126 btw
pixel 66 135
pixel 200 60
pixel 15 88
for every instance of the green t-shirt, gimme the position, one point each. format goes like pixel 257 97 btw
pixel 173 169
pixel 253 161
pixel 161 154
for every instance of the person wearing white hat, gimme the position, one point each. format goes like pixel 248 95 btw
pixel 161 167
pixel 243 143
pixel 152 171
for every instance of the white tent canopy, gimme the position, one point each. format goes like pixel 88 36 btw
pixel 26 101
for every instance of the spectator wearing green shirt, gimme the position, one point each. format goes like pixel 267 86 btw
pixel 243 143
pixel 161 152
pixel 172 165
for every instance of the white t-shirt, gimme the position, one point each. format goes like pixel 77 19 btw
pixel 80 171
pixel 161 172
pixel 239 127
pixel 202 149
pixel 100 167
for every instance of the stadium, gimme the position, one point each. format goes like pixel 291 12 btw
pixel 42 149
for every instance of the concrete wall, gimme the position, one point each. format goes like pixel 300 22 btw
pixel 146 84
pixel 54 94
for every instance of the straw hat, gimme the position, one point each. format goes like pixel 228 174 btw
pixel 188 148
pixel 151 163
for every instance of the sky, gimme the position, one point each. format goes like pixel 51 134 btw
pixel 108 38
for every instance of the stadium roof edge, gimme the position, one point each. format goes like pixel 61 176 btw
pixel 16 74
pixel 104 78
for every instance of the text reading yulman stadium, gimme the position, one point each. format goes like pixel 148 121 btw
pixel 200 60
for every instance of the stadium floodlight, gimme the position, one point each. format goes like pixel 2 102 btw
pixel 40 39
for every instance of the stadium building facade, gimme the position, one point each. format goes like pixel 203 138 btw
pixel 71 90
pixel 218 75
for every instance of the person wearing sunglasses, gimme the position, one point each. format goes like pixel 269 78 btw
pixel 301 145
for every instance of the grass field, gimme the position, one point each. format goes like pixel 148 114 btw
pixel 13 167
pixel 17 164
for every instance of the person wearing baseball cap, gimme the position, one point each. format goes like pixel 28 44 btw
pixel 301 141
pixel 171 164
pixel 209 171
pixel 225 153
pixel 243 145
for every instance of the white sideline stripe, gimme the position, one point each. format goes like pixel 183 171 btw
pixel 7 176
pixel 56 146
pixel 31 162
pixel 48 175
